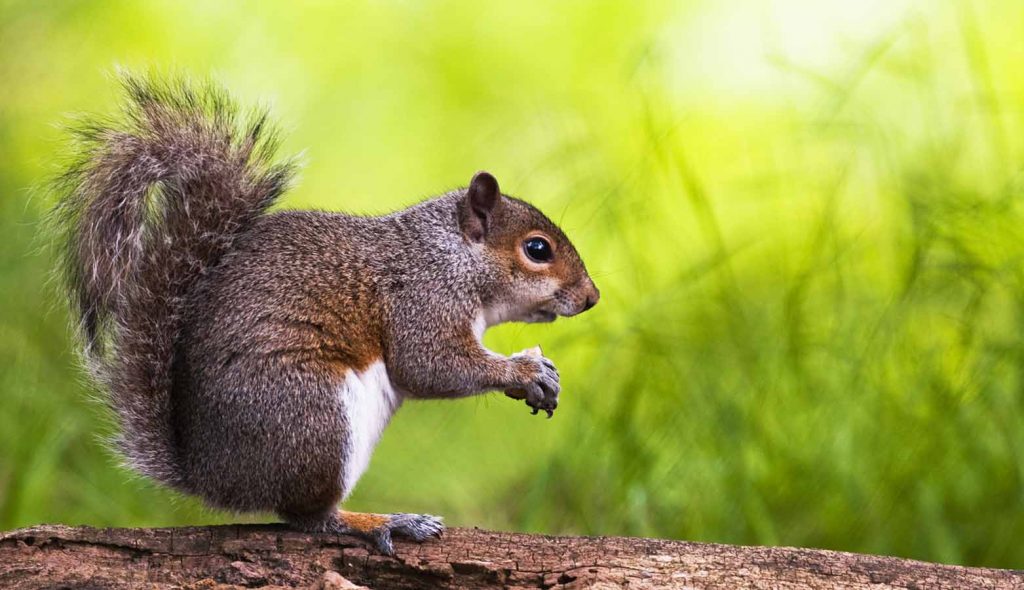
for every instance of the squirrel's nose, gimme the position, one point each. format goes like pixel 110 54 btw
pixel 592 299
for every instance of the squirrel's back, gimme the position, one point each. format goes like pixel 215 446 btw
pixel 316 284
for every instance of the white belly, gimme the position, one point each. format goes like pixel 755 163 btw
pixel 369 401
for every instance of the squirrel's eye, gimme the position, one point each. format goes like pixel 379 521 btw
pixel 538 249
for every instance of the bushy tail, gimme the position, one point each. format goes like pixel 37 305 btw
pixel 148 203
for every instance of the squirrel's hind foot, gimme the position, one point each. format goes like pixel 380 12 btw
pixel 379 528
pixel 419 528
pixel 376 528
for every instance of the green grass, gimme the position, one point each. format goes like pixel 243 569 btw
pixel 812 263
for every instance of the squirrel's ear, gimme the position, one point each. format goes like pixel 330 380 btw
pixel 477 207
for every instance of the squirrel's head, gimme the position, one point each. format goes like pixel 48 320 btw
pixel 536 274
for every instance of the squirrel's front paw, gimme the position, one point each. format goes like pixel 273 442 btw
pixel 538 381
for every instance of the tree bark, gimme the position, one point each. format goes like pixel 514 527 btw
pixel 268 556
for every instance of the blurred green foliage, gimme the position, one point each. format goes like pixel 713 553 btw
pixel 805 217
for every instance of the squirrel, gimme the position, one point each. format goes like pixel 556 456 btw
pixel 253 358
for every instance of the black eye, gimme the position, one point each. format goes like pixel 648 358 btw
pixel 538 249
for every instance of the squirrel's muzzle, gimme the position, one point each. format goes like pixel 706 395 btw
pixel 590 295
pixel 581 297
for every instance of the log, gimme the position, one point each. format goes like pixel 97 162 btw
pixel 270 556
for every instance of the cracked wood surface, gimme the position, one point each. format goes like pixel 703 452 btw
pixel 268 556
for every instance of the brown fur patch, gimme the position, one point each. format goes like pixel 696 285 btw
pixel 363 521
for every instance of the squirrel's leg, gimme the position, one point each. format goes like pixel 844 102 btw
pixel 376 528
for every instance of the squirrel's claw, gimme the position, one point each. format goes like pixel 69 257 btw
pixel 382 540
pixel 537 409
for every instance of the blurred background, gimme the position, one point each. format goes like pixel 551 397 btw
pixel 806 218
